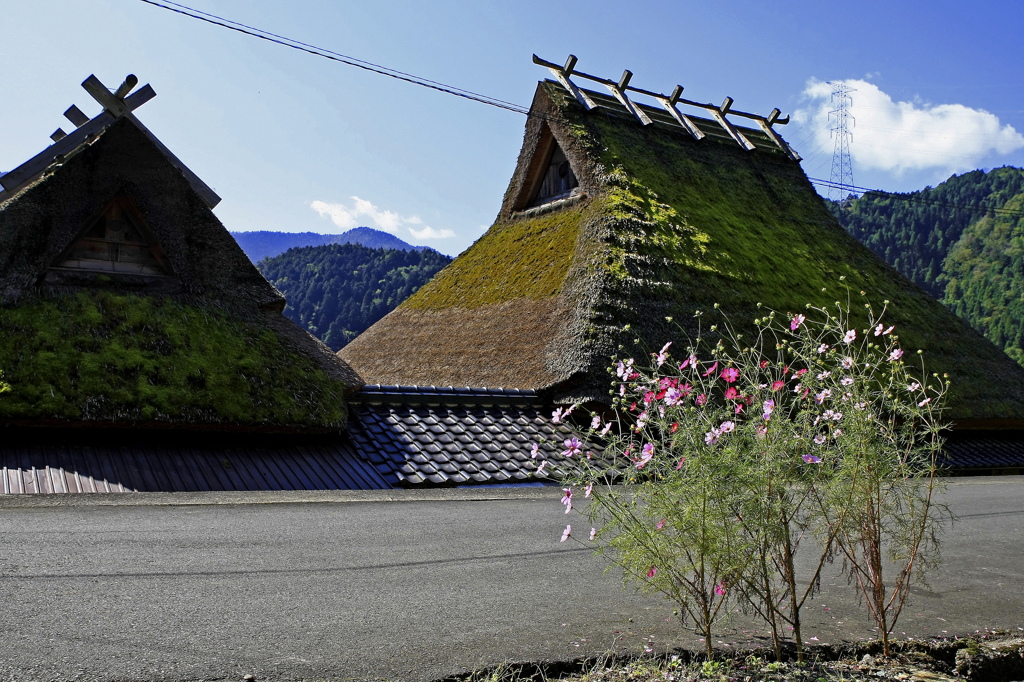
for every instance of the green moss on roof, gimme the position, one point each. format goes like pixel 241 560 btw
pixel 527 258
pixel 693 223
pixel 107 357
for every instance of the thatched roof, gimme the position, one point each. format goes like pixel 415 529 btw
pixel 178 329
pixel 660 225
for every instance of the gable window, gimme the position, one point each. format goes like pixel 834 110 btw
pixel 559 181
pixel 116 242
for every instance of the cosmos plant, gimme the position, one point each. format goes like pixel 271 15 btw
pixel 736 450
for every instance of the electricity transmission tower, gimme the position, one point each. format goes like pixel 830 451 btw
pixel 841 121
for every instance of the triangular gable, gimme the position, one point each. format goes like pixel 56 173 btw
pixel 116 242
pixel 550 177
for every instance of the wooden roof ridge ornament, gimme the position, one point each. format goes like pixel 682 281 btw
pixel 619 88
pixel 116 105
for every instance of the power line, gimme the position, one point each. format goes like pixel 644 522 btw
pixel 335 56
pixel 917 200
pixel 284 41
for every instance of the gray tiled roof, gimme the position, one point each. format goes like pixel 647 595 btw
pixel 968 452
pixel 428 435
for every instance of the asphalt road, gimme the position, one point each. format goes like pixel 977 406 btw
pixel 411 586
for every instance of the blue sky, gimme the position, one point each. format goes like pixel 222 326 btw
pixel 294 142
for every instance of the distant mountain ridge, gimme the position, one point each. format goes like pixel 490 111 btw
pixel 336 291
pixel 267 244
pixel 962 242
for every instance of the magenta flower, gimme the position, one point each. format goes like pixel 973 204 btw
pixel 680 463
pixel 795 323
pixel 778 385
pixel 730 374
pixel 811 459
pixel 701 399
pixel 566 533
pixel 660 524
pixel 567 499
pixel 720 588
pixel 711 370
pixel 652 571
pixel 731 393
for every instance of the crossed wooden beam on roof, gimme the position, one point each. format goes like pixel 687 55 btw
pixel 116 104
pixel 619 88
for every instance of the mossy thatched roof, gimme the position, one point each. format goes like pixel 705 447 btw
pixel 660 226
pixel 200 344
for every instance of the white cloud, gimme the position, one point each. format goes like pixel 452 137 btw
pixel 907 136
pixel 362 211
pixel 430 233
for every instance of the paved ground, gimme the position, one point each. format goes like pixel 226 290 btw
pixel 357 586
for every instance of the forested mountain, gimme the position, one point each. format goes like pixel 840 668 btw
pixel 337 291
pixel 962 241
pixel 263 244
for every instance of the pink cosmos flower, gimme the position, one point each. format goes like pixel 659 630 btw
pixel 647 454
pixel 811 459
pixel 762 431
pixel 822 348
pixel 778 385
pixel 847 363
pixel 663 354
pixel 800 372
pixel 769 407
pixel 711 370
pixel 566 533
pixel 660 524
pixel 720 588
pixel 846 381
pixel 534 451
pixel 648 397
pixel 819 439
pixel 673 396
pixel 652 571
pixel 560 413
pixel 540 468
pixel 595 423
pixel 727 427
pixel 680 463
pixel 730 374
pixel 593 534
pixel 924 402
pixel 573 446
pixel 606 429
pixel 589 489
pixel 567 499
pixel 889 330
pixel 895 355
pixel 913 386
pixel 624 369
pixel 795 323
pixel 850 336
pixel 622 389
pixel 711 437
pixel 738 409
pixel 701 399
pixel 731 393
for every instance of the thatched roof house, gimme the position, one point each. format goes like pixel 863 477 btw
pixel 609 222
pixel 125 302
